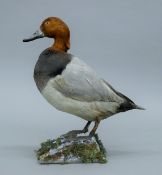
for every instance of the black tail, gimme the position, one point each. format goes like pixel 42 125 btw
pixel 128 104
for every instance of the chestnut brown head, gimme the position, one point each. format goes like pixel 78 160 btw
pixel 54 27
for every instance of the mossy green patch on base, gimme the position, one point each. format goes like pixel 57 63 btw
pixel 47 145
pixel 74 150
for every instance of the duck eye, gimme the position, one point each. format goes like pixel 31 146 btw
pixel 47 23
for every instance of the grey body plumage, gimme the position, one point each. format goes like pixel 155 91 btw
pixel 75 80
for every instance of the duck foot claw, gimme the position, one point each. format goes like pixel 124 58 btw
pixel 91 134
pixel 74 133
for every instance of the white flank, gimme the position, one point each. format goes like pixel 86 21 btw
pixel 86 110
pixel 79 91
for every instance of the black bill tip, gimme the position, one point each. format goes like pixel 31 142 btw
pixel 38 34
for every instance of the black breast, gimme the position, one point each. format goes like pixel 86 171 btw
pixel 50 64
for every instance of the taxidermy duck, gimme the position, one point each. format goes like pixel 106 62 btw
pixel 69 84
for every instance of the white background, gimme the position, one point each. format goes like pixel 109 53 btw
pixel 122 41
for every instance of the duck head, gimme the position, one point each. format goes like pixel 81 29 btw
pixel 53 27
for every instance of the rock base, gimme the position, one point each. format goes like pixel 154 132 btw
pixel 72 148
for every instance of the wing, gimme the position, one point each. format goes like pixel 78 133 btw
pixel 80 82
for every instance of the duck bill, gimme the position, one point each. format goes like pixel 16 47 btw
pixel 36 35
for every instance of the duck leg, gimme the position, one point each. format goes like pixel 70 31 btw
pixel 97 122
pixel 84 130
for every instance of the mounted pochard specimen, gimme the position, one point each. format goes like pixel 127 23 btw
pixel 69 84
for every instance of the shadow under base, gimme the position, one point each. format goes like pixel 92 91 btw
pixel 72 148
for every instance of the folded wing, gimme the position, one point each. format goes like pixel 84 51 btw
pixel 80 82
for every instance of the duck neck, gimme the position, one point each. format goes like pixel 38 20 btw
pixel 59 45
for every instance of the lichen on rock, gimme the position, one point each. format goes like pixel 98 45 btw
pixel 72 149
